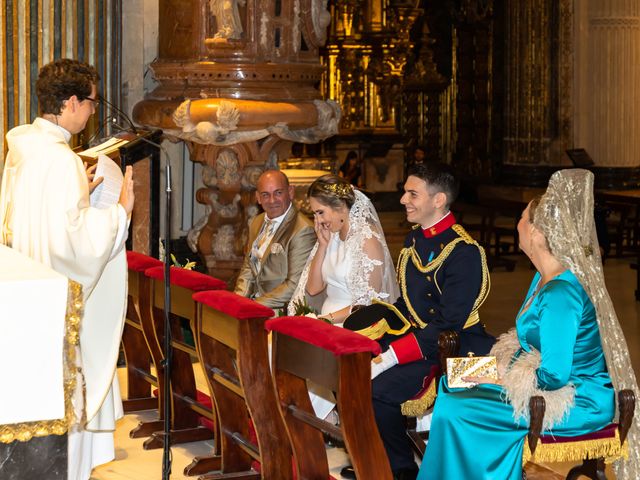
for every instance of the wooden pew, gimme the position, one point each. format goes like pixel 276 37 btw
pixel 308 349
pixel 232 347
pixel 186 409
pixel 140 379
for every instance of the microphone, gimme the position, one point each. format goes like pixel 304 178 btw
pixel 120 128
pixel 96 134
pixel 168 350
pixel 120 112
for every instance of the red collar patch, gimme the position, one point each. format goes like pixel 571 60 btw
pixel 439 227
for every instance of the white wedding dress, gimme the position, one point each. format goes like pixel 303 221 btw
pixel 351 278
pixel 335 268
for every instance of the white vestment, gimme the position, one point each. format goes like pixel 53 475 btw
pixel 45 214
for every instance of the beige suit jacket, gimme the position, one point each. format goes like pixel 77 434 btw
pixel 282 263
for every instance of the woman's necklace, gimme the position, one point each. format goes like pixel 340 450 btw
pixel 529 301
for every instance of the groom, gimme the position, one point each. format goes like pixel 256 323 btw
pixel 443 278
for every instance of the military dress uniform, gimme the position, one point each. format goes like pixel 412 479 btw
pixel 443 278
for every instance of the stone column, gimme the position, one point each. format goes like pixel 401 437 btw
pixel 237 83
pixel 607 107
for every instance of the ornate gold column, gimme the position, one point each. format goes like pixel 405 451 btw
pixel 538 69
pixel 237 83
pixel 607 111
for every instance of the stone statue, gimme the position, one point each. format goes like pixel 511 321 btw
pixel 227 18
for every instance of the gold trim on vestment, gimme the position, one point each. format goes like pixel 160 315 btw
pixel 609 448
pixel 409 253
pixel 417 407
pixel 23 432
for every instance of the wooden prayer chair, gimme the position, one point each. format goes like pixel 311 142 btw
pixel 190 409
pixel 140 379
pixel 593 448
pixel 448 346
pixel 233 352
pixel 308 349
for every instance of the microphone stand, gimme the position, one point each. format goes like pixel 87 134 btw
pixel 166 452
pixel 168 350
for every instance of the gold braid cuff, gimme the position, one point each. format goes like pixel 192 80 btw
pixel 410 254
pixel 609 448
pixel 24 432
pixel 416 407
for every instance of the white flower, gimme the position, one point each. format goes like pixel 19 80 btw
pixel 276 248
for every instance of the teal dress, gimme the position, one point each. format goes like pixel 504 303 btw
pixel 473 432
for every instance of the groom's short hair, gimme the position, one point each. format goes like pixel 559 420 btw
pixel 439 177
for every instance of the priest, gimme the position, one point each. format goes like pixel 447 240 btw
pixel 45 214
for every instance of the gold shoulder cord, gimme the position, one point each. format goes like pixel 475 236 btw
pixel 410 253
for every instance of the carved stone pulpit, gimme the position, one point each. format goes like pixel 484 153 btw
pixel 237 82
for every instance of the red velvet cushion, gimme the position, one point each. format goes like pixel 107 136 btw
pixel 607 432
pixel 191 280
pixel 233 305
pixel 141 262
pixel 339 341
pixel 434 375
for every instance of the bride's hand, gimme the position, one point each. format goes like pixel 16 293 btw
pixel 322 232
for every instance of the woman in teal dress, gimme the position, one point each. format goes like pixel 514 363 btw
pixel 566 336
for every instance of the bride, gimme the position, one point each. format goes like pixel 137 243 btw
pixel 350 264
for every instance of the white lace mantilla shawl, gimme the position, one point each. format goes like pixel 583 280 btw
pixel 364 224
pixel 519 381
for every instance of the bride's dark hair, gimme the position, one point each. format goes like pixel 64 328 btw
pixel 333 191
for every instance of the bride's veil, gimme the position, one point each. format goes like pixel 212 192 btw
pixel 364 224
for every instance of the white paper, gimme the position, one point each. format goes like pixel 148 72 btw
pixel 111 145
pixel 108 192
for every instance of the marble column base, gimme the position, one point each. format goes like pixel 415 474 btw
pixel 40 457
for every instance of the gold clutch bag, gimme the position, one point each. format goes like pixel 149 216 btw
pixel 459 367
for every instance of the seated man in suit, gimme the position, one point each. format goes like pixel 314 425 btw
pixel 280 240
pixel 443 278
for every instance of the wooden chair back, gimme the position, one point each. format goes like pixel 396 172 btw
pixel 340 360
pixel 140 377
pixel 233 351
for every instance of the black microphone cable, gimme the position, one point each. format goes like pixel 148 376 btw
pixel 119 111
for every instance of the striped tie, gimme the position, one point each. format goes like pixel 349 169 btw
pixel 261 239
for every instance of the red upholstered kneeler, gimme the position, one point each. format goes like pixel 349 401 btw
pixel 309 349
pixel 186 409
pixel 139 377
pixel 232 346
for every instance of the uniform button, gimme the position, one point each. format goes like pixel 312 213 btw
pixel 429 295
pixel 432 311
pixel 428 278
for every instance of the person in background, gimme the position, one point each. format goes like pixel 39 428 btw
pixel 351 169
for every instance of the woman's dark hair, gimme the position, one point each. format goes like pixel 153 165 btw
pixel 332 191
pixel 62 79
pixel 350 155
pixel 438 177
